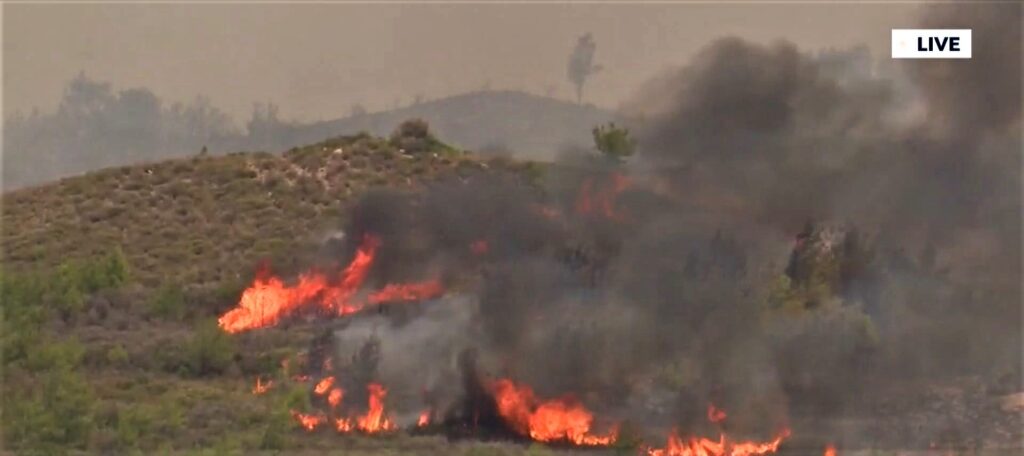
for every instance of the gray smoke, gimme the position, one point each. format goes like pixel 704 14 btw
pixel 901 191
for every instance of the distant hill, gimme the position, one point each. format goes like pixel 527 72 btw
pixel 526 125
pixel 98 127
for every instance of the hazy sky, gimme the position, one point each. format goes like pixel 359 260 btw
pixel 317 60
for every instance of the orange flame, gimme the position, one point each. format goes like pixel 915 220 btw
pixel 269 299
pixel 723 447
pixel 715 414
pixel 602 201
pixel 310 422
pixel 374 420
pixel 323 385
pixel 261 387
pixel 335 397
pixel 407 292
pixel 424 419
pixel 553 420
pixel 830 450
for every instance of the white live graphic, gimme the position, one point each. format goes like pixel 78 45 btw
pixel 931 43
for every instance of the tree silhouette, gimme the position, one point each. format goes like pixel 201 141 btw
pixel 581 63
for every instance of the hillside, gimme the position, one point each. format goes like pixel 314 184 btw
pixel 111 282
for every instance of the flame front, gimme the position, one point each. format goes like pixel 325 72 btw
pixel 830 450
pixel 424 419
pixel 268 299
pixel 548 421
pixel 677 446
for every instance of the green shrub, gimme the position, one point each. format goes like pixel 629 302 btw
pixel 117 356
pixel 54 412
pixel 168 303
pixel 210 351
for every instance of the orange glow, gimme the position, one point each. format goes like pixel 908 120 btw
pixel 601 201
pixel 309 422
pixel 323 385
pixel 715 415
pixel 374 420
pixel 424 419
pixel 300 378
pixel 479 247
pixel 547 421
pixel 723 447
pixel 335 397
pixel 343 424
pixel 407 292
pixel 261 387
pixel 830 450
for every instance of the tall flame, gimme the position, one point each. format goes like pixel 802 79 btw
pixel 723 447
pixel 374 420
pixel 547 421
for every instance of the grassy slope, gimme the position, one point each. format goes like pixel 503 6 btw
pixel 197 226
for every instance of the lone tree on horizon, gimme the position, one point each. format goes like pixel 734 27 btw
pixel 581 63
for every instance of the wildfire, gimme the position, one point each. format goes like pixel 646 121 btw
pixel 261 387
pixel 715 414
pixel 425 419
pixel 310 422
pixel 830 450
pixel 677 446
pixel 335 397
pixel 547 421
pixel 375 420
pixel 323 385
pixel 269 299
pixel 407 292
pixel 602 201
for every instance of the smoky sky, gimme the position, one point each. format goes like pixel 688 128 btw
pixel 316 61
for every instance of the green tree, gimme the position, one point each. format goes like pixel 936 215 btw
pixel 614 142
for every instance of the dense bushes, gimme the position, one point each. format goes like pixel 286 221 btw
pixel 48 405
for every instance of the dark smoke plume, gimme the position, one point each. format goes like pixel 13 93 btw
pixel 799 236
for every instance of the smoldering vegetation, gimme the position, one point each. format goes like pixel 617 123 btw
pixel 796 242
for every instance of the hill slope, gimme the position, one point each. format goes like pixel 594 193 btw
pixel 111 281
